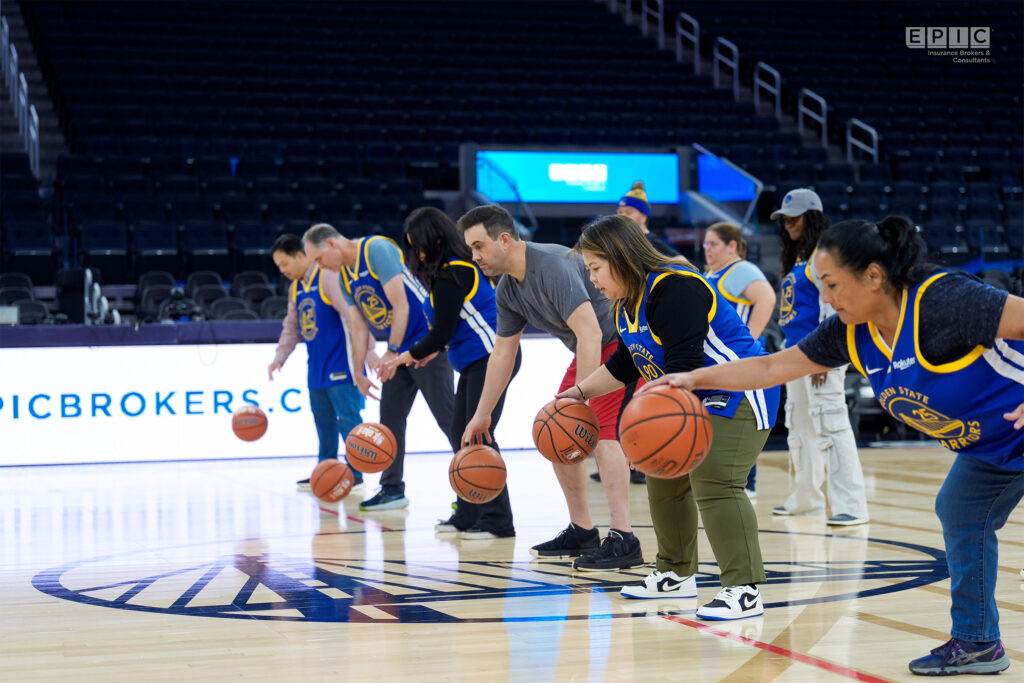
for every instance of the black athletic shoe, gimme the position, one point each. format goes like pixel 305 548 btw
pixel 619 550
pixel 637 477
pixel 570 542
pixel 596 476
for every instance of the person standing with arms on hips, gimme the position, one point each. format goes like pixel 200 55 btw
pixel 743 285
pixel 319 315
pixel 463 318
pixel 545 285
pixel 821 441
pixel 943 353
pixel 668 319
pixel 390 299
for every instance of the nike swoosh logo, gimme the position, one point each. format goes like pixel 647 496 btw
pixel 872 371
pixel 668 584
pixel 747 601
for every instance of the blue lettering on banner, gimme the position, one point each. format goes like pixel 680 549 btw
pixel 285 405
pixel 97 406
pixel 217 403
pixel 32 406
pixel 15 407
pixel 191 401
pixel 164 403
pixel 124 404
pixel 68 403
pixel 249 396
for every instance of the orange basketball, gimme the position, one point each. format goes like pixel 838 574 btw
pixel 249 423
pixel 331 480
pixel 370 447
pixel 566 431
pixel 477 473
pixel 665 432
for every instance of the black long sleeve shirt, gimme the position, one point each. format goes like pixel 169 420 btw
pixel 452 285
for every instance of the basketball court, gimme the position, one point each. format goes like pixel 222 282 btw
pixel 222 570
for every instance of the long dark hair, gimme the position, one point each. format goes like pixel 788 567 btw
pixel 815 223
pixel 630 256
pixel 893 243
pixel 432 232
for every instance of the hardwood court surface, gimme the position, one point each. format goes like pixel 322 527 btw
pixel 223 571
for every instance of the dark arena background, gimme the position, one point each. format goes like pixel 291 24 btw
pixel 151 153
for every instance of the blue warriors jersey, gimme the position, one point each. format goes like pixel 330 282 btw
pixel 960 403
pixel 475 331
pixel 728 339
pixel 743 306
pixel 367 291
pixel 321 327
pixel 800 308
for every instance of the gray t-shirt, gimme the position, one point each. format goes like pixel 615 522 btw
pixel 555 285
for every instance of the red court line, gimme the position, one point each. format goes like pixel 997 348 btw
pixel 329 511
pixel 806 659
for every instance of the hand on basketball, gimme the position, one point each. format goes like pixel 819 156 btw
pixel 683 380
pixel 272 368
pixel 572 392
pixel 1016 416
pixel 366 387
pixel 478 430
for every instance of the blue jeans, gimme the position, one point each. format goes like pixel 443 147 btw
pixel 335 411
pixel 972 505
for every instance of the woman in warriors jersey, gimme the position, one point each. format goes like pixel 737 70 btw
pixel 945 354
pixel 668 319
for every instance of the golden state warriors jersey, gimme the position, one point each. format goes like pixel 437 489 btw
pixel 743 306
pixel 368 292
pixel 475 331
pixel 321 327
pixel 960 403
pixel 728 339
pixel 800 309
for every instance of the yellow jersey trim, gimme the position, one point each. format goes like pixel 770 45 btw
pixel 951 366
pixel 294 291
pixel 730 297
pixel 320 286
pixel 851 346
pixel 476 279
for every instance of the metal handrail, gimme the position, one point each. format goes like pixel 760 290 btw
pixel 33 140
pixel 629 11
pixel 851 142
pixel 22 105
pixel 733 62
pixel 774 87
pixel 693 36
pixel 656 9
pixel 520 204
pixel 5 41
pixel 803 110
pixel 12 72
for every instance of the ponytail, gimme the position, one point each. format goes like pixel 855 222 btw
pixel 894 243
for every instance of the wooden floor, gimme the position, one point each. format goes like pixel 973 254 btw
pixel 222 570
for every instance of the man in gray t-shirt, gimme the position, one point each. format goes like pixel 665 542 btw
pixel 546 285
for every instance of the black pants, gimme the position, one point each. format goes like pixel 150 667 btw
pixel 496 515
pixel 435 380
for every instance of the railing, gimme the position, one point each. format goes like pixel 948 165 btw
pixel 656 9
pixel 33 140
pixel 5 42
pixel 21 106
pixel 12 72
pixel 520 204
pixel 803 111
pixel 852 142
pixel 728 54
pixel 774 87
pixel 629 12
pixel 693 35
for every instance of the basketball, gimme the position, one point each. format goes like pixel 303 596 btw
pixel 665 432
pixel 331 480
pixel 370 447
pixel 566 431
pixel 477 473
pixel 249 423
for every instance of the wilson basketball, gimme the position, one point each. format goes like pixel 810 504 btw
pixel 665 432
pixel 477 473
pixel 566 431
pixel 370 447
pixel 331 480
pixel 249 423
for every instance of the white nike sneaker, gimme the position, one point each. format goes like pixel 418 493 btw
pixel 734 602
pixel 662 585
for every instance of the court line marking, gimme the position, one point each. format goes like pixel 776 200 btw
pixel 775 649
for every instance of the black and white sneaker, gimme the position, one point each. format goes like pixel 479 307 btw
pixel 303 484
pixel 619 550
pixel 572 541
pixel 734 602
pixel 662 585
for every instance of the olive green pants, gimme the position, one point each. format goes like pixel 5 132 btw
pixel 716 489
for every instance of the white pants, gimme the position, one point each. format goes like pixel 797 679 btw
pixel 821 443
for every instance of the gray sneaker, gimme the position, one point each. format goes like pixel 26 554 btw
pixel 845 520
pixel 384 501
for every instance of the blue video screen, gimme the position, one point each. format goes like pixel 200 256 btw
pixel 722 182
pixel 576 177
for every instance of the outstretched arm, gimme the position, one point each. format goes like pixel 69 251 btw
pixel 749 373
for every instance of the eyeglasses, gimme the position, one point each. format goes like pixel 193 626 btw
pixel 708 245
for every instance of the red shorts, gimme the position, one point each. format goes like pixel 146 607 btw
pixel 607 407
